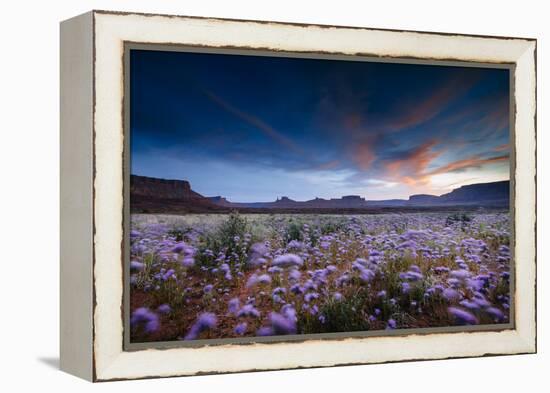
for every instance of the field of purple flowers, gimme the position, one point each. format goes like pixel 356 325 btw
pixel 222 276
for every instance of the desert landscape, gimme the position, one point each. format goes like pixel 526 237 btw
pixel 289 196
pixel 224 274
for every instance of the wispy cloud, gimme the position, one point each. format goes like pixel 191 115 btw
pixel 256 122
pixel 411 168
pixel 480 121
pixel 471 162
pixel 363 153
pixel 381 183
pixel 462 182
pixel 428 107
pixel 328 165
pixel 503 147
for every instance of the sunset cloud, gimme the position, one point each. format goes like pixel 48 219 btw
pixel 472 162
pixel 411 168
pixel 503 147
pixel 328 165
pixel 364 154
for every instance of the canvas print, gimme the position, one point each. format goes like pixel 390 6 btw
pixel 279 196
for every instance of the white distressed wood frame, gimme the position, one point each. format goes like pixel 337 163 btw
pixel 92 143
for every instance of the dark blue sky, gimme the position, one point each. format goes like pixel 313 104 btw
pixel 252 128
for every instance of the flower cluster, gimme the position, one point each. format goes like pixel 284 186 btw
pixel 196 277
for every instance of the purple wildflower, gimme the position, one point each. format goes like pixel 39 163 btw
pixel 460 274
pixel 188 262
pixel 391 324
pixel 294 275
pixel 264 279
pixel 248 310
pixel 308 297
pixel 295 244
pixel 274 270
pixel 366 275
pixel 265 331
pixel 453 282
pixel 495 313
pixel 289 312
pixel 259 249
pixel 462 317
pixel 469 305
pixel 451 294
pixel 240 329
pixel 480 300
pixel 233 305
pixel 204 322
pixel 168 274
pixel 144 317
pixel 476 285
pixel 136 266
pixel 279 290
pixel 252 280
pixel 164 309
pixel 288 260
pixel 281 324
pixel 411 275
pixel 179 247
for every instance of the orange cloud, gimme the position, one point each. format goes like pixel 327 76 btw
pixel 472 162
pixel 411 169
pixel 352 121
pixel 329 165
pixel 363 154
pixel 503 147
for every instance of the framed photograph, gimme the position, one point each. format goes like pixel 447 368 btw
pixel 245 195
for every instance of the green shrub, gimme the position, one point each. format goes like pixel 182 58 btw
pixel 224 239
pixel 331 227
pixel 344 315
pixel 458 218
pixel 234 226
pixel 293 232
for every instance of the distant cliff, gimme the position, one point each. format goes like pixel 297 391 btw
pixel 161 188
pixel 423 199
pixel 487 192
pixel 346 202
pixel 493 194
pixel 154 195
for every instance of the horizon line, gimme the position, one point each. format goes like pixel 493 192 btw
pixel 316 197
